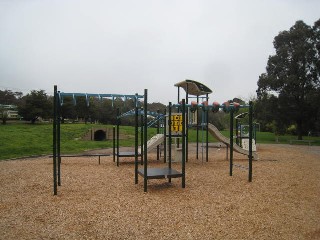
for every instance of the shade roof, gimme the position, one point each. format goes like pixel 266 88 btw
pixel 193 87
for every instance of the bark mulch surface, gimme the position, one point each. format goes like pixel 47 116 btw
pixel 102 202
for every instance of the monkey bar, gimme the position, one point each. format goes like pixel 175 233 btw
pixel 57 103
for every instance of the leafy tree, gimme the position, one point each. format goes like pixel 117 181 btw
pixel 68 109
pixel 34 105
pixel 292 78
pixel 8 97
pixel 84 109
pixel 107 113
pixel 37 104
pixel 219 119
pixel 154 107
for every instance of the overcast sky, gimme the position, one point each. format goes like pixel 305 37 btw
pixel 126 46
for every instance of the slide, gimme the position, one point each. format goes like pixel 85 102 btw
pixel 218 135
pixel 155 141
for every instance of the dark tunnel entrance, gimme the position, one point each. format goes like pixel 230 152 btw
pixel 99 135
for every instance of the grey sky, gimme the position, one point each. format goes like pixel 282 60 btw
pixel 125 46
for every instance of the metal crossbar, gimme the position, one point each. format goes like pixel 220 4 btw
pixel 100 96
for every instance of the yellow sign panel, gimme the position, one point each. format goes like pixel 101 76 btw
pixel 176 123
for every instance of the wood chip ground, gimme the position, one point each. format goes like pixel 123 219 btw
pixel 102 202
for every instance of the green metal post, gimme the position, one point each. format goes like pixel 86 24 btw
pixel 145 135
pixel 141 140
pixel 55 185
pixel 136 143
pixel 59 141
pixel 231 141
pixel 158 132
pixel 165 137
pixel 170 133
pixel 114 143
pixel 187 125
pixel 170 136
pixel 183 180
pixel 197 128
pixel 207 132
pixel 118 126
pixel 250 140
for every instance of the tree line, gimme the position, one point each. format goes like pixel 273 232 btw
pixel 39 105
pixel 288 93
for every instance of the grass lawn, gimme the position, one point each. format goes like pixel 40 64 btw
pixel 23 139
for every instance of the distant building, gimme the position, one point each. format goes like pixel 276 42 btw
pixel 9 111
pixel 12 114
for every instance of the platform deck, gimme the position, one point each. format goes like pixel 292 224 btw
pixel 158 173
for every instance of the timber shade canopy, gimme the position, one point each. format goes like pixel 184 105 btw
pixel 193 87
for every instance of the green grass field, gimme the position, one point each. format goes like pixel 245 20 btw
pixel 24 140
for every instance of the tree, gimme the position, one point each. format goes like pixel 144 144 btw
pixel 292 78
pixel 107 113
pixel 7 97
pixel 68 109
pixel 34 105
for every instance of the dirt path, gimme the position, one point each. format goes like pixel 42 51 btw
pixel 102 202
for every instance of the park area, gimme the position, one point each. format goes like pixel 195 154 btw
pixel 101 201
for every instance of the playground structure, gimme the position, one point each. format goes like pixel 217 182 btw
pixel 116 146
pixel 152 143
pixel 200 91
pixel 176 127
pixel 57 103
pixel 159 173
pixel 146 173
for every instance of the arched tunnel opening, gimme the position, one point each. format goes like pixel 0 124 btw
pixel 99 135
